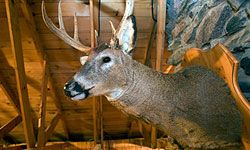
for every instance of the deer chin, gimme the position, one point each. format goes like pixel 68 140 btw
pixel 81 96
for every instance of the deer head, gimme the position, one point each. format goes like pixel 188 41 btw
pixel 102 71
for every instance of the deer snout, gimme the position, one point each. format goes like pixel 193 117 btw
pixel 72 89
pixel 75 91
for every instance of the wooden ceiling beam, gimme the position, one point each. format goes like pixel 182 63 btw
pixel 42 112
pixel 5 129
pixel 10 94
pixel 146 132
pixel 160 38
pixel 16 46
pixel 52 125
pixel 160 41
pixel 42 54
pixel 135 129
pixel 153 137
pixel 97 101
pixel 148 49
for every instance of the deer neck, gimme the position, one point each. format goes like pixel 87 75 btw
pixel 144 85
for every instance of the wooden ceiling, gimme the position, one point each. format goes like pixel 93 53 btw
pixel 75 118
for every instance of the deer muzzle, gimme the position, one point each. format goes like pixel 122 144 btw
pixel 75 91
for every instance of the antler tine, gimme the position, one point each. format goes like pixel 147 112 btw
pixel 112 27
pixel 76 36
pixel 60 32
pixel 128 11
pixel 96 38
pixel 60 19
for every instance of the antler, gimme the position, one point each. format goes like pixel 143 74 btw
pixel 120 33
pixel 61 32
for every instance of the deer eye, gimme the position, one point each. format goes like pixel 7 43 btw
pixel 106 59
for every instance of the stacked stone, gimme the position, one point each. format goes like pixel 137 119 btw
pixel 203 24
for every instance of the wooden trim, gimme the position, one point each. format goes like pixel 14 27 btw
pixel 16 46
pixel 42 112
pixel 42 54
pixel 5 129
pixel 52 125
pixel 10 95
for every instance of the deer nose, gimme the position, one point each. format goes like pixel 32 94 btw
pixel 72 88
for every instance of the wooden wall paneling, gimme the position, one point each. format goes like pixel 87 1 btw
pixel 42 111
pixel 16 45
pixel 30 21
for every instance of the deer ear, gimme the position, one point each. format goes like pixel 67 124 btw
pixel 83 59
pixel 124 37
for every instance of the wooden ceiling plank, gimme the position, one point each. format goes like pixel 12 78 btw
pixel 10 95
pixel 5 129
pixel 16 46
pixel 52 125
pixel 42 112
pixel 42 54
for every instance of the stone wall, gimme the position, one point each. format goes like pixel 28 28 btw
pixel 204 23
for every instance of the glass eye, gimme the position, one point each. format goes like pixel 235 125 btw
pixel 106 59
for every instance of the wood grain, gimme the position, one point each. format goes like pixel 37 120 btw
pixel 16 45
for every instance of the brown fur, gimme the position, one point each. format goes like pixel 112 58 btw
pixel 194 106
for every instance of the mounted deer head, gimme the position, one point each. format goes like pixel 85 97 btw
pixel 123 40
pixel 186 105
